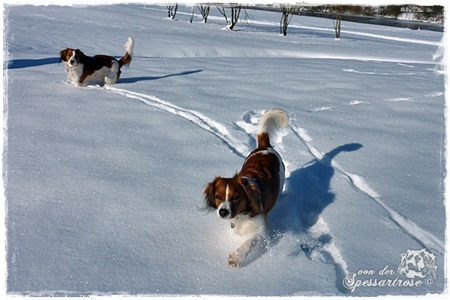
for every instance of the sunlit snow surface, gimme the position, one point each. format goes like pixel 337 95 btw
pixel 104 184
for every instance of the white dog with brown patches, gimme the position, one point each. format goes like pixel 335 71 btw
pixel 246 198
pixel 99 69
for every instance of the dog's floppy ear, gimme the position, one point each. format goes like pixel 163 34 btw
pixel 62 55
pixel 81 56
pixel 208 194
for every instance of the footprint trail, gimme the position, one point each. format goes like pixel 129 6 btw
pixel 200 120
pixel 424 238
pixel 328 250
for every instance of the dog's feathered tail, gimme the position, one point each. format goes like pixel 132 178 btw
pixel 126 59
pixel 271 121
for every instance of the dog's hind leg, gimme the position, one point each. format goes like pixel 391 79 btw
pixel 113 75
pixel 110 80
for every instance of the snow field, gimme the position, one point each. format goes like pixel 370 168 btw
pixel 104 184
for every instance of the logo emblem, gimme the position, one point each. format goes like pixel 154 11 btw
pixel 417 264
pixel 416 268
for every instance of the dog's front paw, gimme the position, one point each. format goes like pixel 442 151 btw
pixel 234 259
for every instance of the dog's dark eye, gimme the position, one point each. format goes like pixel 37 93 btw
pixel 235 197
pixel 218 197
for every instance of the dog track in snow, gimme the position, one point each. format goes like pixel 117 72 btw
pixel 411 99
pixel 389 100
pixel 376 73
pixel 348 103
pixel 200 120
pixel 424 238
pixel 319 244
pixel 327 250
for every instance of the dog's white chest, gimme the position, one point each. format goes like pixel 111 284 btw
pixel 74 73
pixel 244 225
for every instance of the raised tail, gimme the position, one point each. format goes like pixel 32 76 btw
pixel 271 121
pixel 126 59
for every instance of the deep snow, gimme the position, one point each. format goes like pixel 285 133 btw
pixel 104 184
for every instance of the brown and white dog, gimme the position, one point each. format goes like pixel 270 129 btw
pixel 246 198
pixel 99 69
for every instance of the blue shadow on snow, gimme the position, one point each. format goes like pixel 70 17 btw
pixel 27 63
pixel 308 193
pixel 144 78
pixel 306 196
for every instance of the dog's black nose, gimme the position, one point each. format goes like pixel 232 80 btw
pixel 223 212
pixel 71 61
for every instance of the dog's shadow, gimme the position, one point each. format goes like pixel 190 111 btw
pixel 307 193
pixel 146 78
pixel 28 63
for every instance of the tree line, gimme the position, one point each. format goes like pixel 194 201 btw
pixel 232 12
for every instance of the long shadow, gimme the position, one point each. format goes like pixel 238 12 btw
pixel 27 63
pixel 307 193
pixel 144 78
pixel 306 196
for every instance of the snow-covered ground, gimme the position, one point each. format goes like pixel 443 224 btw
pixel 104 184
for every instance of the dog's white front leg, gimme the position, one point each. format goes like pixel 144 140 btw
pixel 238 256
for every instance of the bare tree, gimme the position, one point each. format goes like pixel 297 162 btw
pixel 287 11
pixel 337 11
pixel 172 10
pixel 204 10
pixel 192 14
pixel 235 10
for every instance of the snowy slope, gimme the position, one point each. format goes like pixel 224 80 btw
pixel 104 184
